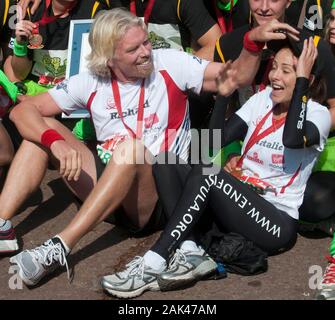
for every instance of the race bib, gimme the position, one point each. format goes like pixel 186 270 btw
pixel 105 150
pixel 256 184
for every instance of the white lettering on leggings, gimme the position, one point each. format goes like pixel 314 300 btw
pixel 234 195
pixel 187 217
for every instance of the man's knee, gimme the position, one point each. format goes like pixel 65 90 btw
pixel 131 151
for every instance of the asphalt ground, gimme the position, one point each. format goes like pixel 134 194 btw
pixel 291 275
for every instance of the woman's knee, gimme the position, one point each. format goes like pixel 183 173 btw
pixel 284 241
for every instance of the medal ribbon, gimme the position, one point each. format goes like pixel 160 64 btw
pixel 256 136
pixel 147 11
pixel 116 93
pixel 220 18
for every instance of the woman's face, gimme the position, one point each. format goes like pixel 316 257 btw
pixel 283 76
pixel 332 27
pixel 264 11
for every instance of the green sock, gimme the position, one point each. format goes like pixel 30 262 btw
pixel 332 247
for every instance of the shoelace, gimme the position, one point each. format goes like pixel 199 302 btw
pixel 329 275
pixel 50 252
pixel 178 258
pixel 134 267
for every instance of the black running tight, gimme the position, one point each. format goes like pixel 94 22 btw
pixel 236 207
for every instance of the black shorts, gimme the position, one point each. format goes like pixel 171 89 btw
pixel 119 218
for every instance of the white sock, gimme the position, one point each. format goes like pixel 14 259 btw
pixel 67 249
pixel 5 224
pixel 154 261
pixel 189 245
pixel 2 222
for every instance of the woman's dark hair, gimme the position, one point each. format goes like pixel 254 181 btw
pixel 318 90
pixel 326 33
pixel 318 87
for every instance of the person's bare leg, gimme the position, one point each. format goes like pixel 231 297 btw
pixel 113 189
pixel 25 175
pixel 6 152
pixel 6 147
pixel 28 169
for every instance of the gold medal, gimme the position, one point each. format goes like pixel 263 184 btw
pixel 35 41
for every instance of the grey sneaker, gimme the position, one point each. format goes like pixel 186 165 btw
pixel 186 267
pixel 37 263
pixel 133 281
pixel 327 291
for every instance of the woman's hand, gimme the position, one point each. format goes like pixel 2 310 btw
pixel 307 59
pixel 23 29
pixel 231 163
pixel 24 4
pixel 273 30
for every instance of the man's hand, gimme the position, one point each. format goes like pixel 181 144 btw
pixel 70 160
pixel 307 58
pixel 24 4
pixel 273 30
pixel 226 80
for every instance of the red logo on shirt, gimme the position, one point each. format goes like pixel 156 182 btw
pixel 255 158
pixel 151 120
pixel 277 158
pixel 110 104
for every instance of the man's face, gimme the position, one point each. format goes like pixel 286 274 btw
pixel 132 58
pixel 264 11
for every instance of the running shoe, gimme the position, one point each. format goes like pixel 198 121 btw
pixel 327 291
pixel 37 263
pixel 185 268
pixel 133 281
pixel 8 241
pixel 327 226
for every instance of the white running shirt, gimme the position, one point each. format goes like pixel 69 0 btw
pixel 268 159
pixel 166 124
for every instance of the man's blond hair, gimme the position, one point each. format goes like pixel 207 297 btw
pixel 108 28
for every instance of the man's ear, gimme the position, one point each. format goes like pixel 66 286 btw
pixel 288 3
pixel 109 63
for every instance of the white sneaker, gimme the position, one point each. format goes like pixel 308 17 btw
pixel 133 281
pixel 37 263
pixel 186 267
